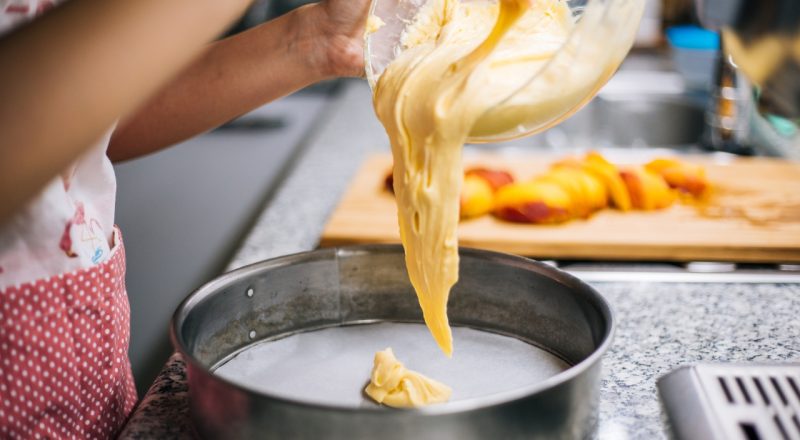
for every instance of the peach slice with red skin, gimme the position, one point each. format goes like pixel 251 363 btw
pixel 496 178
pixel 533 202
pixel 686 178
pixel 477 192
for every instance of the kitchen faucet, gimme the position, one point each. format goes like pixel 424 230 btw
pixel 761 39
pixel 729 109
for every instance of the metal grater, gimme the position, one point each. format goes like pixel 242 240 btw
pixel 736 402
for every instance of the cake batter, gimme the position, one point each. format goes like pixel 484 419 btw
pixel 392 384
pixel 459 59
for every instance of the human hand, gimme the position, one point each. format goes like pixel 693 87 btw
pixel 336 28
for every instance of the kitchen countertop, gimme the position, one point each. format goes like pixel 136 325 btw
pixel 660 325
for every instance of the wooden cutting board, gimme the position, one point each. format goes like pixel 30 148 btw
pixel 753 215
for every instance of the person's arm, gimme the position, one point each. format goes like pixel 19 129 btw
pixel 66 77
pixel 235 75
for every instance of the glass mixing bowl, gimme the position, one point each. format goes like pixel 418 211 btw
pixel 602 36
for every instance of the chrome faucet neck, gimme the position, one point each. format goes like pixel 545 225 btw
pixel 729 110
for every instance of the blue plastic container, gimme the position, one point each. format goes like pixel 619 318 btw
pixel 694 52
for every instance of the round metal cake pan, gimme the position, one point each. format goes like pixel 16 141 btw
pixel 496 293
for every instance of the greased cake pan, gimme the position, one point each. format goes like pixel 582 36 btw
pixel 283 348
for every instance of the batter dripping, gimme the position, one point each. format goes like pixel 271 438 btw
pixel 459 60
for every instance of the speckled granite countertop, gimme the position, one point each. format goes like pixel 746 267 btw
pixel 660 325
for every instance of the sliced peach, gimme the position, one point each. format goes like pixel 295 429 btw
pixel 596 165
pixel 686 181
pixel 567 180
pixel 477 197
pixel 496 178
pixel 608 173
pixel 597 193
pixel 588 193
pixel 685 177
pixel 648 190
pixel 595 187
pixel 533 202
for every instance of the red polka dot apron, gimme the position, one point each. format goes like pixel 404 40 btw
pixel 64 368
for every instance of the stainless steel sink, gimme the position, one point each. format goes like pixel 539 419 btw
pixel 632 121
pixel 626 120
pixel 658 120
